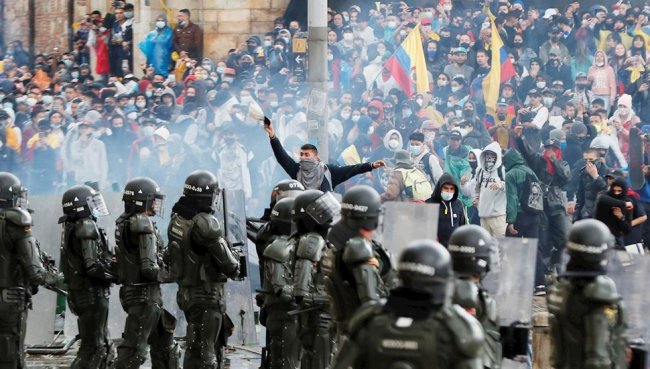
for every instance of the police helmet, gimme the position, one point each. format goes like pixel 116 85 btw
pixel 12 192
pixel 587 246
pixel 361 207
pixel 286 188
pixel 470 247
pixel 425 266
pixel 143 194
pixel 313 209
pixel 202 188
pixel 281 216
pixel 82 202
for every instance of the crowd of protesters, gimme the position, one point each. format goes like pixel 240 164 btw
pixel 561 124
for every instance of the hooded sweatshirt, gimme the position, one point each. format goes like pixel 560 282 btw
pixel 492 202
pixel 607 201
pixel 602 78
pixel 452 214
pixel 516 171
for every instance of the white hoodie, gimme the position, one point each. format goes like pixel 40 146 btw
pixel 492 203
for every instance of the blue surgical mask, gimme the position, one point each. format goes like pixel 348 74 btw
pixel 562 145
pixel 148 93
pixel 432 53
pixel 8 106
pixel 415 149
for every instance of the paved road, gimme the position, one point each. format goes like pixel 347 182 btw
pixel 236 357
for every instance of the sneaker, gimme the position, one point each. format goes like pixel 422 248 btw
pixel 540 290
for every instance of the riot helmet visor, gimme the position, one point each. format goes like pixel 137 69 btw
pixel 324 209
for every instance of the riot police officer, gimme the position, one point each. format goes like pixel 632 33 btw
pixel 586 312
pixel 88 269
pixel 279 256
pixel 416 327
pixel 313 212
pixel 469 247
pixel 140 271
pixel 21 270
pixel 287 188
pixel 360 269
pixel 201 262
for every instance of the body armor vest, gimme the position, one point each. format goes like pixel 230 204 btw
pixel 341 285
pixel 570 309
pixel 72 263
pixel 427 344
pixel 11 273
pixel 192 265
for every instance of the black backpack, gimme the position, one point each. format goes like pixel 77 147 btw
pixel 532 195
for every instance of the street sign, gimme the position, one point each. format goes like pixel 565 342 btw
pixel 299 59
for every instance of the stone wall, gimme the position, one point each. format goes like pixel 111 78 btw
pixel 225 23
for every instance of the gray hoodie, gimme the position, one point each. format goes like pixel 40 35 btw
pixel 492 202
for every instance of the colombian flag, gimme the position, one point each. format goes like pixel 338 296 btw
pixel 408 66
pixel 501 68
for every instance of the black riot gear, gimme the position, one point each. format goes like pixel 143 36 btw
pixel 587 246
pixel 88 271
pixel 201 188
pixel 82 202
pixel 142 194
pixel 425 265
pixel 360 207
pixel 12 193
pixel 286 188
pixel 314 210
pixel 469 247
pixel 281 216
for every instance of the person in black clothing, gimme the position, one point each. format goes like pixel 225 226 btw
pixel 614 208
pixel 588 175
pixel 310 171
pixel 576 143
pixel 452 213
pixel 553 173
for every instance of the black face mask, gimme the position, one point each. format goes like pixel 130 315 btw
pixel 373 116
pixel 473 164
pixel 518 44
pixel 501 116
pixel 468 113
pixel 109 108
pixel 464 45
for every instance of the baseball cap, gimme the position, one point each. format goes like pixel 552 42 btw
pixel 455 135
pixel 552 142
pixel 614 173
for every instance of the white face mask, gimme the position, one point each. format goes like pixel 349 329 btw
pixel 540 84
pixel 345 116
pixel 455 88
pixel 31 101
pixel 447 196
pixel 356 118
pixel 348 36
pixel 623 111
pixel 141 104
pixel 47 100
pixel 160 24
pixel 393 144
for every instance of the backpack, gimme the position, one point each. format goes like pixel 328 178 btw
pixel 416 184
pixel 532 195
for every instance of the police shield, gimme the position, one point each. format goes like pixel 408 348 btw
pixel 511 279
pixel 403 222
pixel 630 272
pixel 231 211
